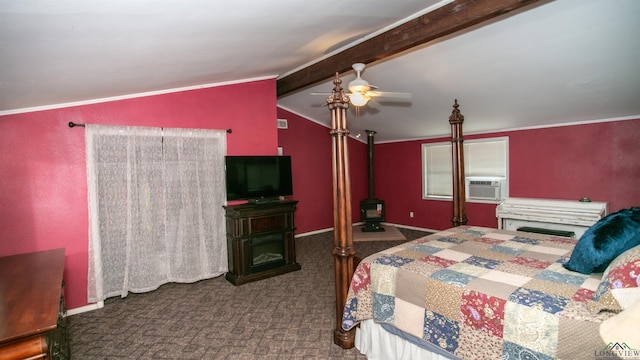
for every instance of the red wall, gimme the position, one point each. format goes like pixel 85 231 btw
pixel 600 161
pixel 309 145
pixel 43 191
pixel 43 187
pixel 399 184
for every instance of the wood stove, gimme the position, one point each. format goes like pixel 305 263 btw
pixel 371 209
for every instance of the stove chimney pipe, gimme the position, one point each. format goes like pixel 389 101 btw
pixel 371 209
pixel 371 180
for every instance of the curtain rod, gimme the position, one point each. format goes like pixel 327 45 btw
pixel 72 124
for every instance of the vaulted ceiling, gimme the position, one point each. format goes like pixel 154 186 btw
pixel 511 64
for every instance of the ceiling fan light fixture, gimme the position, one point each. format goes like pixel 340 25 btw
pixel 360 91
pixel 358 99
pixel 359 85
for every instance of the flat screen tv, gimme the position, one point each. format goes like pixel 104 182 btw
pixel 258 178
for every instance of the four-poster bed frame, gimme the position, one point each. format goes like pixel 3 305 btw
pixel 343 250
pixel 467 291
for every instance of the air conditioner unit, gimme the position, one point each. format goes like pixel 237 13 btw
pixel 485 188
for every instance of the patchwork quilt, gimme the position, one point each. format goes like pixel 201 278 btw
pixel 481 293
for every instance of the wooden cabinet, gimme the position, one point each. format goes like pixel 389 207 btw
pixel 33 323
pixel 260 240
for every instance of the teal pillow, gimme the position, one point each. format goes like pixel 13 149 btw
pixel 605 240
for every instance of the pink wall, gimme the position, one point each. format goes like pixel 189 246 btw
pixel 600 161
pixel 309 145
pixel 403 193
pixel 399 184
pixel 43 187
pixel 594 160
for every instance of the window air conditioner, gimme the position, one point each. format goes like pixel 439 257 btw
pixel 485 188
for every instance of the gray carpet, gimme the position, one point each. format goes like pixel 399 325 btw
pixel 291 316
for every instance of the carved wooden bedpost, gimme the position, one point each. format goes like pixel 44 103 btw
pixel 459 199
pixel 343 252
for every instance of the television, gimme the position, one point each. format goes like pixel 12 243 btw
pixel 258 178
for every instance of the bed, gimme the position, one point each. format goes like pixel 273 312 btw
pixel 482 293
pixel 474 292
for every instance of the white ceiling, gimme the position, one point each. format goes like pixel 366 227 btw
pixel 563 61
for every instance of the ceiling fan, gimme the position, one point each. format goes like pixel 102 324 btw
pixel 360 91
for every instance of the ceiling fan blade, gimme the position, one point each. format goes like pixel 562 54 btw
pixel 318 93
pixel 387 94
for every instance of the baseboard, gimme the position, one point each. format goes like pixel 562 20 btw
pixel 315 232
pixel 86 308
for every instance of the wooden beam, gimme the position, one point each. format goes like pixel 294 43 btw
pixel 453 17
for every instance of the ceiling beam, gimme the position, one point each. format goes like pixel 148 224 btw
pixel 453 17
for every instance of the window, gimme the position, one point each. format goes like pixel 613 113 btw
pixel 482 158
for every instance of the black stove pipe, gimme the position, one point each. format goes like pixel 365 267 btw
pixel 370 134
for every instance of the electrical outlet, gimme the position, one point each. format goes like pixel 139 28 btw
pixel 410 214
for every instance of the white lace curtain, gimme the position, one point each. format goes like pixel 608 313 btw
pixel 155 207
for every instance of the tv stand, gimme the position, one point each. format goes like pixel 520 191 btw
pixel 265 200
pixel 260 240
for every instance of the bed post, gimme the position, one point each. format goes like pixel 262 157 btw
pixel 459 198
pixel 343 252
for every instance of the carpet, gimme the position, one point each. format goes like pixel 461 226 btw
pixel 390 233
pixel 290 316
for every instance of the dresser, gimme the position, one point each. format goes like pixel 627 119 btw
pixel 33 323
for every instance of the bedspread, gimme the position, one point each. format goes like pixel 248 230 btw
pixel 481 293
